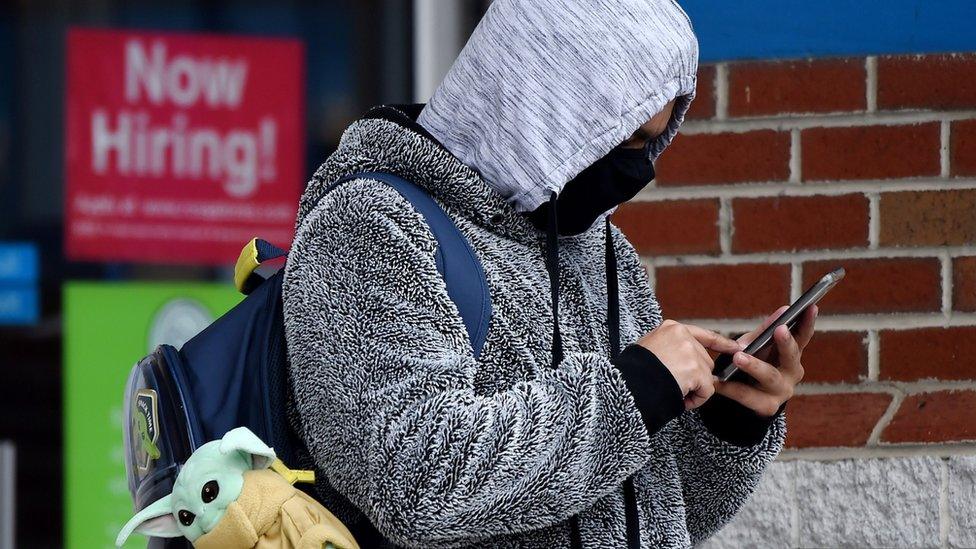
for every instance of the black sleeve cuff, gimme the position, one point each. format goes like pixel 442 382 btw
pixel 655 390
pixel 733 422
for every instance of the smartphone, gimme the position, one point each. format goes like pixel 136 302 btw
pixel 725 368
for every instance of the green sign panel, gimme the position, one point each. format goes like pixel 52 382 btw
pixel 108 327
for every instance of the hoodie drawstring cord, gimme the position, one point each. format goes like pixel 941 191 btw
pixel 613 298
pixel 552 266
pixel 613 326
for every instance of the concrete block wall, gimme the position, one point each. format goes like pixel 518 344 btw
pixel 784 170
pixel 917 501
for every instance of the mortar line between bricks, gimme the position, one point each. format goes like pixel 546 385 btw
pixel 946 285
pixel 874 355
pixel 837 120
pixel 851 323
pixel 721 91
pixel 944 155
pixel 887 387
pixel 871 84
pixel 796 159
pixel 725 226
pixel 874 220
pixel 812 255
pixel 944 502
pixel 783 188
pixel 875 437
pixel 883 451
pixel 796 281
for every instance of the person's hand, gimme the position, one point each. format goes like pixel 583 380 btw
pixel 682 350
pixel 776 370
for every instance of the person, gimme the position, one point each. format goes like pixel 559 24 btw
pixel 587 420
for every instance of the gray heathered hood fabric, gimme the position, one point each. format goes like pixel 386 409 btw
pixel 544 88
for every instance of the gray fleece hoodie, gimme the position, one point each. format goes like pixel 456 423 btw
pixel 537 442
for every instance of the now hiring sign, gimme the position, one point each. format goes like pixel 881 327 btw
pixel 180 147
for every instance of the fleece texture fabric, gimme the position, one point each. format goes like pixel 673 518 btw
pixel 410 432
pixel 545 87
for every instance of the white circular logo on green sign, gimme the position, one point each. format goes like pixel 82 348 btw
pixel 177 322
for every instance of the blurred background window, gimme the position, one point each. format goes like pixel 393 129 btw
pixel 358 53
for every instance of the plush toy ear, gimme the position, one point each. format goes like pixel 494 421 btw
pixel 242 439
pixel 156 520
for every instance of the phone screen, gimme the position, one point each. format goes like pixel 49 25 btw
pixel 725 369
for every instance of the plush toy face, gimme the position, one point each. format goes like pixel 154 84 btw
pixel 211 480
pixel 205 487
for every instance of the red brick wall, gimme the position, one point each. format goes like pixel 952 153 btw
pixel 787 169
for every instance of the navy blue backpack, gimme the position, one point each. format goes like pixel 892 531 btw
pixel 234 372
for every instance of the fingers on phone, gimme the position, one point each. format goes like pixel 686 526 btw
pixel 714 340
pixel 790 351
pixel 785 342
pixel 750 397
pixel 788 347
pixel 749 337
pixel 805 333
pixel 771 318
pixel 765 373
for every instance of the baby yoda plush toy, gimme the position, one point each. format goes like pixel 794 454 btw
pixel 233 493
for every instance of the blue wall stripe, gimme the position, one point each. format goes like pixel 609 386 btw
pixel 782 29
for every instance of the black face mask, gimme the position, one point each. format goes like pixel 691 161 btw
pixel 608 182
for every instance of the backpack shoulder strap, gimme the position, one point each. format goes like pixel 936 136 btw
pixel 456 261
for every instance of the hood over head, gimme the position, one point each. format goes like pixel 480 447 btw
pixel 544 88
